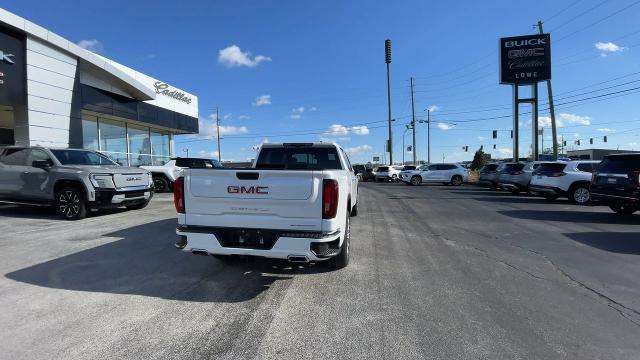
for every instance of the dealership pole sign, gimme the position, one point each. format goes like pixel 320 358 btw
pixel 525 59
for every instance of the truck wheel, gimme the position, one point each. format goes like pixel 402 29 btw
pixel 354 210
pixel 342 259
pixel 456 180
pixel 139 206
pixel 394 177
pixel 70 203
pixel 579 194
pixel 623 209
pixel 160 183
pixel 416 180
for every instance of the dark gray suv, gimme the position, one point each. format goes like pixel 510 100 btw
pixel 72 180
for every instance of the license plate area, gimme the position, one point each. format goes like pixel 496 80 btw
pixel 247 238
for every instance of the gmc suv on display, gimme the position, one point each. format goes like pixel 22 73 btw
pixel 295 203
pixel 165 175
pixel 72 180
pixel 616 182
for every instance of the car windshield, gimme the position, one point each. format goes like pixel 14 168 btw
pixel 383 168
pixel 81 157
pixel 490 167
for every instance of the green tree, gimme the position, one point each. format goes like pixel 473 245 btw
pixel 479 160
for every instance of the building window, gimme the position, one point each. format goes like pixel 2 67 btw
pixel 139 145
pixel 113 140
pixel 160 147
pixel 90 132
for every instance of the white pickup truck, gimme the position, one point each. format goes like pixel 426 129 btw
pixel 295 203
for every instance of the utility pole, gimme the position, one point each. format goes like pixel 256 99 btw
pixel 218 131
pixel 429 137
pixel 413 124
pixel 387 58
pixel 552 111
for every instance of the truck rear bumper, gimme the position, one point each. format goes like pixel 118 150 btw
pixel 287 246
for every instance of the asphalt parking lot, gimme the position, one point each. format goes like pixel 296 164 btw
pixel 437 272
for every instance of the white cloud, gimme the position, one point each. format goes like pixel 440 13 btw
pixel 565 119
pixel 297 113
pixel 243 117
pixel 444 126
pixel 206 154
pixel 233 56
pixel 227 116
pixel 208 129
pixel 505 151
pixel 262 100
pixel 607 130
pixel 360 130
pixel 92 45
pixel 358 149
pixel 608 47
pixel 482 138
pixel 341 130
pixel 433 108
pixel 633 144
pixel 313 108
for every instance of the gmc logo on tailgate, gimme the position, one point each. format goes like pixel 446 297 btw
pixel 262 190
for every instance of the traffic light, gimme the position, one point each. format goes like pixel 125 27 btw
pixel 512 134
pixel 591 141
pixel 577 142
pixel 564 143
pixel 494 146
pixel 465 148
pixel 605 138
pixel 495 134
pixel 481 147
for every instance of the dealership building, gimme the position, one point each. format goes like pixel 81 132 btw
pixel 55 93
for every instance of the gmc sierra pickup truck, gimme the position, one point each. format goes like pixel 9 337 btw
pixel 295 203
pixel 72 180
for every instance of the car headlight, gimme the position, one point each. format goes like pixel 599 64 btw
pixel 150 179
pixel 104 181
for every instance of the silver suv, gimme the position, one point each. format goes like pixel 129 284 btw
pixel 73 180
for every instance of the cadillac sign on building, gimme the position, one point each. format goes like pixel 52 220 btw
pixel 525 59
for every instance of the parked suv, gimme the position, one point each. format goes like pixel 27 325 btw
pixel 616 181
pixel 559 178
pixel 516 177
pixel 384 173
pixel 165 175
pixel 73 180
pixel 409 169
pixel 453 174
pixel 489 175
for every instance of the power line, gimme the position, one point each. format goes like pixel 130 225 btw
pixel 580 15
pixel 600 20
pixel 561 11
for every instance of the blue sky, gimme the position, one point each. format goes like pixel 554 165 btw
pixel 308 70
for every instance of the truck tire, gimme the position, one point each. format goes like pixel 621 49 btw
pixel 160 183
pixel 354 210
pixel 342 259
pixel 416 180
pixel 70 203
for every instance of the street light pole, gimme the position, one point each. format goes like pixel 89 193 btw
pixel 387 49
pixel 413 125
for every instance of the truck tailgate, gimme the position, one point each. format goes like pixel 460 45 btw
pixel 260 199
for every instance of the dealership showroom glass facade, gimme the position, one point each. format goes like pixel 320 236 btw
pixel 54 93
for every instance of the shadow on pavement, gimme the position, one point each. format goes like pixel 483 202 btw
pixel 144 262
pixel 515 199
pixel 573 216
pixel 617 242
pixel 28 212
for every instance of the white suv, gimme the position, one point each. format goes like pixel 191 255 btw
pixel 453 174
pixel 384 173
pixel 559 178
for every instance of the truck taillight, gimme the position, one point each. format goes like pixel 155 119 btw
pixel 329 199
pixel 178 194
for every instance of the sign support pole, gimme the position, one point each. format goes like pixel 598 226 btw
pixel 534 121
pixel 516 121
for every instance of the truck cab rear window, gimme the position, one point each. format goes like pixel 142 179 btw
pixel 299 159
